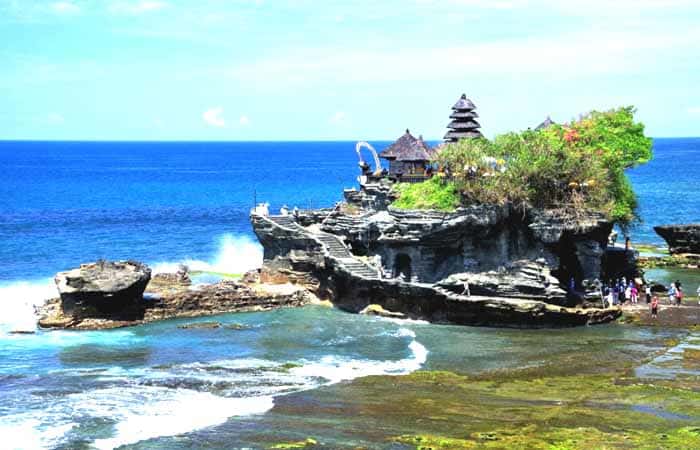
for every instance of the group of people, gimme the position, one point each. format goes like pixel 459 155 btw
pixel 620 291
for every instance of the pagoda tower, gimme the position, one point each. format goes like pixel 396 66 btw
pixel 464 124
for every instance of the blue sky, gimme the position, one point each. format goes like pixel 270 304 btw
pixel 308 70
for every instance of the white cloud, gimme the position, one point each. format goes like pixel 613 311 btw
pixel 137 7
pixel 55 118
pixel 338 117
pixel 213 117
pixel 572 55
pixel 67 8
pixel 694 110
pixel 244 121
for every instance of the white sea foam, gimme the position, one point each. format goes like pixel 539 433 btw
pixel 19 300
pixel 236 254
pixel 150 412
pixel 335 369
pixel 152 402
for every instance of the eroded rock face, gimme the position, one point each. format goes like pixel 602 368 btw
pixel 681 238
pixel 519 264
pixel 168 301
pixel 103 288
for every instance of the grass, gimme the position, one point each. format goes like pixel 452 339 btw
pixel 431 194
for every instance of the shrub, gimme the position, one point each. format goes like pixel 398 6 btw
pixel 580 165
pixel 431 194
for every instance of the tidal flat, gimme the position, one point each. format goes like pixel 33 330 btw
pixel 610 386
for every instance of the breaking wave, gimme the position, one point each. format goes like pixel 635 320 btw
pixel 235 255
pixel 152 402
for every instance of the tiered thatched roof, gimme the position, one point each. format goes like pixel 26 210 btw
pixel 408 148
pixel 463 124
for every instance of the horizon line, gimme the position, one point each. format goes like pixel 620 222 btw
pixel 219 141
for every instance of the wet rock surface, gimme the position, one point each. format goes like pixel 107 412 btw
pixel 172 297
pixel 521 265
pixel 683 238
pixel 103 288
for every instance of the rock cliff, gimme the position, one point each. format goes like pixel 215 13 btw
pixel 681 238
pixel 111 294
pixel 522 268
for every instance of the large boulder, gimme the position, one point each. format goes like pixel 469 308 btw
pixel 103 288
pixel 681 238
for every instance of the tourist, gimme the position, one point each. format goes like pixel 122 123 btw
pixel 466 291
pixel 679 295
pixel 628 294
pixel 647 293
pixel 654 307
pixel 672 294
pixel 609 300
pixel 621 293
pixel 634 294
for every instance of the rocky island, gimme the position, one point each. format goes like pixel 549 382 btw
pixel 509 233
pixel 107 294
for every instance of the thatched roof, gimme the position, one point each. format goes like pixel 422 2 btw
pixel 464 115
pixel 548 122
pixel 466 124
pixel 453 135
pixel 463 124
pixel 463 104
pixel 408 148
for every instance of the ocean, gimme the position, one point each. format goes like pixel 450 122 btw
pixel 160 386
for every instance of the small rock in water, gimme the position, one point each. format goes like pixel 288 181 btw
pixel 377 310
pixel 200 325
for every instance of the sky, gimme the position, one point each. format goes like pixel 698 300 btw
pixel 339 70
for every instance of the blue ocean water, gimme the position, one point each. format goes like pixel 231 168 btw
pixel 63 203
pixel 160 386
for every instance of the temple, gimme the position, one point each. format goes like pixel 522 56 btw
pixel 463 124
pixel 409 158
pixel 548 122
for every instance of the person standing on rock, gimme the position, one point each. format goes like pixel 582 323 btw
pixel 610 299
pixel 672 294
pixel 647 292
pixel 468 293
pixel 634 293
pixel 654 307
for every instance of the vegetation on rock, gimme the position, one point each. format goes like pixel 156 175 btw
pixel 572 166
pixel 431 194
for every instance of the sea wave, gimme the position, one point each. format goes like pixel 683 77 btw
pixel 151 402
pixel 19 300
pixel 235 255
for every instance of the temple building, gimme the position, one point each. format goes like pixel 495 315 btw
pixel 409 158
pixel 548 122
pixel 464 124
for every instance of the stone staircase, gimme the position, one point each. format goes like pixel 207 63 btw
pixel 450 295
pixel 336 248
pixel 285 221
